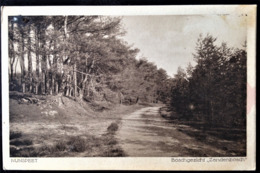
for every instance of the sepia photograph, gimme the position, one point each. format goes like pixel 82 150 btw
pixel 129 86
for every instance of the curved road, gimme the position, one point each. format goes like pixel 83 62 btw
pixel 145 133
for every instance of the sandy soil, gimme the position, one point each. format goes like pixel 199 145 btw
pixel 145 133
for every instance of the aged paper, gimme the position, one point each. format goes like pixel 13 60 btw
pixel 156 149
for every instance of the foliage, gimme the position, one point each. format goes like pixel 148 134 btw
pixel 214 90
pixel 84 57
pixel 80 56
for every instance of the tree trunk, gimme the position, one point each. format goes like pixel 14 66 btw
pixel 15 67
pixel 55 70
pixel 12 54
pixel 12 72
pixel 60 101
pixel 84 84
pixel 64 55
pixel 50 81
pixel 90 78
pixel 29 60
pixel 36 34
pixel 68 85
pixel 84 78
pixel 22 61
pixel 46 81
pixel 81 93
pixel 44 64
pixel 75 79
pixel 56 87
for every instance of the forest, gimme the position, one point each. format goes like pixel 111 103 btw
pixel 214 90
pixel 80 56
pixel 85 57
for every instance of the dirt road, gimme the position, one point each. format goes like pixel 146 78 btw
pixel 145 133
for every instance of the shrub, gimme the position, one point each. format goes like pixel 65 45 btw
pixel 114 152
pixel 13 151
pixel 112 142
pixel 77 144
pixel 113 127
pixel 14 135
pixel 60 146
pixel 21 142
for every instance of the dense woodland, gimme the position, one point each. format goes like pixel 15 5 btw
pixel 86 58
pixel 80 56
pixel 213 91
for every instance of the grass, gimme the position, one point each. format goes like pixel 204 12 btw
pixel 67 145
pixel 232 140
pixel 77 130
pixel 75 144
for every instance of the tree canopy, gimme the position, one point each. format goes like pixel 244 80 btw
pixel 214 90
pixel 80 56
pixel 85 57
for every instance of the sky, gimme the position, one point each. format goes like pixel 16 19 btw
pixel 169 41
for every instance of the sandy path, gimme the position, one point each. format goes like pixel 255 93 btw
pixel 144 133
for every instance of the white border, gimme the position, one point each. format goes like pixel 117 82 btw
pixel 126 163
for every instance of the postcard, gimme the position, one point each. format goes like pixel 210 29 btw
pixel 129 87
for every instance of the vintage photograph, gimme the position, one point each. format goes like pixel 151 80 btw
pixel 126 86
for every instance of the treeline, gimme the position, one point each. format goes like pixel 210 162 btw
pixel 214 90
pixel 83 57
